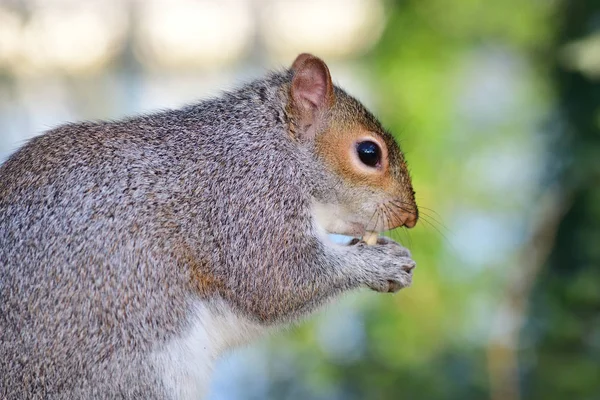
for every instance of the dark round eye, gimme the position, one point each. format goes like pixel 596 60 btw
pixel 369 153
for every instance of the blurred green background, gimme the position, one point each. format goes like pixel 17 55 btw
pixel 497 107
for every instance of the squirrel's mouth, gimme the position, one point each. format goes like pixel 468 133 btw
pixel 353 229
pixel 340 228
pixel 354 232
pixel 369 238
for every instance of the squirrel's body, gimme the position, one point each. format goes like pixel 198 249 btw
pixel 133 253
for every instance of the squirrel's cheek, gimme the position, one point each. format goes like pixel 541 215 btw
pixel 334 218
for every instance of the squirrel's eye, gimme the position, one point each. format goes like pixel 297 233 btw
pixel 369 153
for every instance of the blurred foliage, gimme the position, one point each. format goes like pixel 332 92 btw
pixel 496 105
pixel 431 341
pixel 563 359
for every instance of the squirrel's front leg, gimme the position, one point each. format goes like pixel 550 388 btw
pixel 311 270
pixel 322 270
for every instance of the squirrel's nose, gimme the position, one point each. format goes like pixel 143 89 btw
pixel 411 219
pixel 404 217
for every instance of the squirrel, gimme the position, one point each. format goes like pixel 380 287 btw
pixel 134 252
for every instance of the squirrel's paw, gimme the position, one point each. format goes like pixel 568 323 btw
pixel 391 269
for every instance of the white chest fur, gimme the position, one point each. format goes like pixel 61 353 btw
pixel 186 363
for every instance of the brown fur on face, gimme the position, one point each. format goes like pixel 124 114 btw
pixel 350 123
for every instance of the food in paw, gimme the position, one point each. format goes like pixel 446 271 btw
pixel 370 238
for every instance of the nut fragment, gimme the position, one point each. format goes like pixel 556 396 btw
pixel 370 238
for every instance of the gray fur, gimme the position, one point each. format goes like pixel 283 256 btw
pixel 110 230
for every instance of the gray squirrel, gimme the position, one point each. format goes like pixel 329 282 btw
pixel 134 253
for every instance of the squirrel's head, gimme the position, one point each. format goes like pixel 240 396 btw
pixel 366 186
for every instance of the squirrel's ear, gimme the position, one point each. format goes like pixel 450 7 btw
pixel 311 93
pixel 300 60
